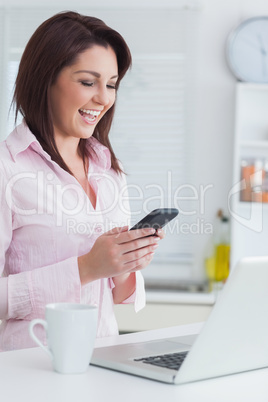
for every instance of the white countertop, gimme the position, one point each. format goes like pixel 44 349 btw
pixel 27 376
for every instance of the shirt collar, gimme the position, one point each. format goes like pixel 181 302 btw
pixel 22 138
pixel 101 155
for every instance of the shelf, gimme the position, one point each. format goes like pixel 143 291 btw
pixel 195 298
pixel 248 219
pixel 247 204
pixel 254 144
pixel 252 86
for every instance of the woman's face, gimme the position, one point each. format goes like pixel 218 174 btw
pixel 84 92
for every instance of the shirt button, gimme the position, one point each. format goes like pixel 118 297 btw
pixel 98 229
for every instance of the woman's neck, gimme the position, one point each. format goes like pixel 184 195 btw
pixel 68 148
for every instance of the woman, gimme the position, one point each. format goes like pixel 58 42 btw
pixel 64 214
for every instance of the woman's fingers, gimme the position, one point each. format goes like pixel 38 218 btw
pixel 125 236
pixel 138 254
pixel 160 233
pixel 137 265
pixel 139 243
pixel 134 245
pixel 116 231
pixel 119 251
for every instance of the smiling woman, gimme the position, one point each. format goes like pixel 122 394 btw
pixel 47 55
pixel 80 93
pixel 57 168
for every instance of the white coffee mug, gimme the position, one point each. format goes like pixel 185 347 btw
pixel 71 331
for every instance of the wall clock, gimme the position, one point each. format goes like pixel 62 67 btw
pixel 247 50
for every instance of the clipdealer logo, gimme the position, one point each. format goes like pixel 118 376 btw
pixel 40 193
pixel 250 217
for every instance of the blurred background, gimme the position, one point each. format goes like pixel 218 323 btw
pixel 174 125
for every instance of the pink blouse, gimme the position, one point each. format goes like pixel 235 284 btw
pixel 46 222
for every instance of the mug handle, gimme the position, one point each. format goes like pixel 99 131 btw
pixel 34 337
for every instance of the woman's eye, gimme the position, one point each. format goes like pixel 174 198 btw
pixel 90 84
pixel 87 84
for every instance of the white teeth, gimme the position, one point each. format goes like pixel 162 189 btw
pixel 92 112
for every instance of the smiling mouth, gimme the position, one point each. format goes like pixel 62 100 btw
pixel 90 116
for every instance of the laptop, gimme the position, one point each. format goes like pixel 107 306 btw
pixel 234 339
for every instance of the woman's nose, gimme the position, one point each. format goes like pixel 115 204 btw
pixel 102 96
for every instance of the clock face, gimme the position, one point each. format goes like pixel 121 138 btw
pixel 247 50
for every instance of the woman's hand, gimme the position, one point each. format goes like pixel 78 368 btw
pixel 117 252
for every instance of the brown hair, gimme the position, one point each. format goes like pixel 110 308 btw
pixel 54 45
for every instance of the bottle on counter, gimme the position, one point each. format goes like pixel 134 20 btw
pixel 217 262
pixel 222 249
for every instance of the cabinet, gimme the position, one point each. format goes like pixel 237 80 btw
pixel 248 196
pixel 165 310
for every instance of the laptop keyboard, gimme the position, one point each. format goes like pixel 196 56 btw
pixel 172 360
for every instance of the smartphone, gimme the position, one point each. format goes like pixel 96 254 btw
pixel 157 219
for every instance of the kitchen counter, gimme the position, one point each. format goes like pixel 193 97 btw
pixel 165 309
pixel 172 297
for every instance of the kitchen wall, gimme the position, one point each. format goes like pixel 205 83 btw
pixel 215 86
pixel 215 104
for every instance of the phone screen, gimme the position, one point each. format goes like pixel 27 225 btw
pixel 157 219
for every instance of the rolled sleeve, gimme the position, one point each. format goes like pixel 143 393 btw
pixel 138 297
